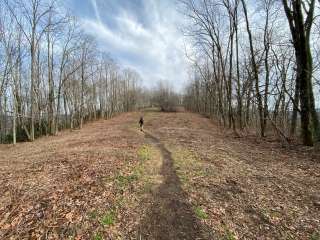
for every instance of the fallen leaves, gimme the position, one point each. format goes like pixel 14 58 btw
pixel 254 190
pixel 56 188
pixel 90 184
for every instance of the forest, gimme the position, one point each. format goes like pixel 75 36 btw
pixel 54 76
pixel 259 72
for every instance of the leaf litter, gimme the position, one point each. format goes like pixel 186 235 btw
pixel 101 182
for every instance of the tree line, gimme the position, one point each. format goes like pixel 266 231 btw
pixel 53 76
pixel 255 65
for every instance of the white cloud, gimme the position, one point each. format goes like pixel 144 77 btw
pixel 96 11
pixel 155 48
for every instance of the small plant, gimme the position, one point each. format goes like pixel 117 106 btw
pixel 97 236
pixel 120 201
pixel 315 236
pixel 125 180
pixel 147 188
pixel 138 170
pixel 93 214
pixel 108 219
pixel 144 153
pixel 228 235
pixel 200 213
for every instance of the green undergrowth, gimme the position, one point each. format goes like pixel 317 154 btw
pixel 200 213
pixel 149 167
pixel 315 236
pixel 93 214
pixel 131 185
pixel 125 178
pixel 97 236
pixel 108 218
pixel 104 219
pixel 188 165
pixel 128 184
pixel 143 175
pixel 229 236
pixel 144 152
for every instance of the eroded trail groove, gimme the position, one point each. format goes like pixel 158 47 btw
pixel 170 215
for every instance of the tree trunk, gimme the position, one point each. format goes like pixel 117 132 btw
pixel 300 30
pixel 255 72
pixel 293 126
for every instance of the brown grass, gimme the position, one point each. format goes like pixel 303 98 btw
pixel 63 187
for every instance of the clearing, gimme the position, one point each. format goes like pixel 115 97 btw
pixel 184 178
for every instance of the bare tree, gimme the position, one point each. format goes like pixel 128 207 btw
pixel 300 28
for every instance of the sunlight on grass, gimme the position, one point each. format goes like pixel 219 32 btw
pixel 144 152
pixel 200 213
pixel 93 214
pixel 123 181
pixel 315 236
pixel 149 168
pixel 121 201
pixel 187 164
pixel 135 184
pixel 97 236
pixel 108 218
pixel 229 235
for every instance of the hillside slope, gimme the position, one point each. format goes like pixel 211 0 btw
pixel 184 178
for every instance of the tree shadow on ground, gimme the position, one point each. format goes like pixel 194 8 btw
pixel 170 216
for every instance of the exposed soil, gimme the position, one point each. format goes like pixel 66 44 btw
pixel 170 216
pixel 184 178
pixel 249 188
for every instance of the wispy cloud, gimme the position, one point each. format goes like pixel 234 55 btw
pixel 96 11
pixel 143 35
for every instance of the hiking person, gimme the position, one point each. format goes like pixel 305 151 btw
pixel 141 121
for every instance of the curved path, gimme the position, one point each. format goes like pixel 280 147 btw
pixel 170 216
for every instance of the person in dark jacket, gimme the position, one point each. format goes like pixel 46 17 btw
pixel 141 122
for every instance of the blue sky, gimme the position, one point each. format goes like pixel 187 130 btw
pixel 141 34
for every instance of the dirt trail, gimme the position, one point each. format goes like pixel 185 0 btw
pixel 244 188
pixel 186 178
pixel 170 215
